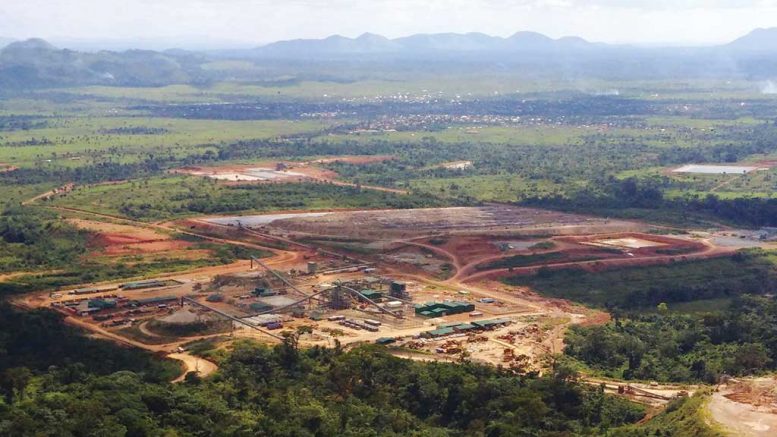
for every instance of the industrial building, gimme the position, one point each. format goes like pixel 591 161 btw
pixel 491 324
pixel 372 295
pixel 457 328
pixel 264 292
pixel 154 300
pixel 439 309
pixel 140 285
pixel 93 290
pixel 399 290
pixel 102 303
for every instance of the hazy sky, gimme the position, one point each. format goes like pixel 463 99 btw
pixel 261 21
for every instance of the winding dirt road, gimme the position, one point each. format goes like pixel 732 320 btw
pixel 199 365
pixel 709 252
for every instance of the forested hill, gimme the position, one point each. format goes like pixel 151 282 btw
pixel 36 63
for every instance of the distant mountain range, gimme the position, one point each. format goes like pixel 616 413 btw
pixel 35 63
pixel 421 44
pixel 760 40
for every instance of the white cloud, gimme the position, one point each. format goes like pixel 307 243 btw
pixel 268 20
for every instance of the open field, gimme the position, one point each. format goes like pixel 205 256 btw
pixel 78 140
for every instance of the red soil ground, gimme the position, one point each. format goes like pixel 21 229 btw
pixel 122 239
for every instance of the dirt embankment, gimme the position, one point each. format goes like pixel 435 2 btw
pixel 120 239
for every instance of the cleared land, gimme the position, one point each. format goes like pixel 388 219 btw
pixel 715 169
pixel 747 407
pixel 288 172
pixel 382 224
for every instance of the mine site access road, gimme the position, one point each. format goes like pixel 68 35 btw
pixel 466 273
pixel 191 363
pixel 200 366
pixel 710 252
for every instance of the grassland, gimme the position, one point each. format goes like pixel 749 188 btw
pixel 496 188
pixel 14 195
pixel 74 141
pixel 536 135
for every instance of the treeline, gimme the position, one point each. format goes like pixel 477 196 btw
pixel 614 195
pixel 40 342
pixel 10 123
pixel 740 340
pixel 32 239
pixel 306 195
pixel 102 172
pixel 635 288
pixel 202 197
pixel 107 171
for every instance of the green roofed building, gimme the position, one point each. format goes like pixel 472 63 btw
pixel 440 332
pixel 154 300
pixel 439 309
pixel 465 327
pixel 372 294
pixel 102 303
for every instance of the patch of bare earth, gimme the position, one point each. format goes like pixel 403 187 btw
pixel 746 408
pixel 114 239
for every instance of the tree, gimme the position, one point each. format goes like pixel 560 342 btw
pixel 14 382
